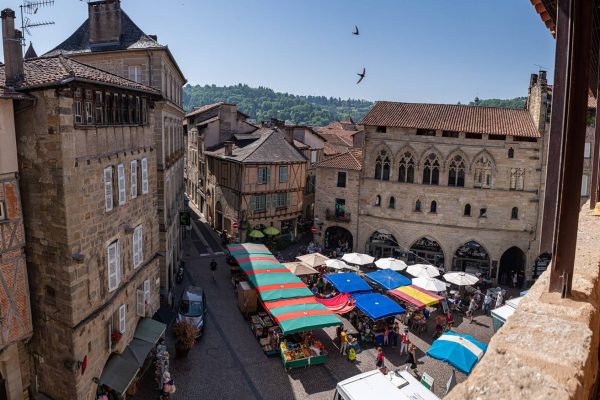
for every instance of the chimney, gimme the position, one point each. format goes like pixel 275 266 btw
pixel 104 21
pixel 228 148
pixel 13 53
pixel 289 134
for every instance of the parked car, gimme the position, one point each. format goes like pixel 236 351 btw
pixel 192 307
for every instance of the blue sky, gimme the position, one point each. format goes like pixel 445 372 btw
pixel 416 51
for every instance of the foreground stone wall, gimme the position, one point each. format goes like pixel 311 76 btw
pixel 549 348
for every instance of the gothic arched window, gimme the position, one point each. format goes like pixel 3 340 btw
pixel 483 172
pixel 514 214
pixel 392 202
pixel 467 212
pixel 456 174
pixel 433 207
pixel 431 170
pixel 406 171
pixel 382 166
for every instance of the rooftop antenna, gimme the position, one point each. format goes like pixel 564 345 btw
pixel 541 67
pixel 31 7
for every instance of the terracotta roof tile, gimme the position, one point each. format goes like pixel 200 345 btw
pixel 461 118
pixel 351 160
pixel 204 108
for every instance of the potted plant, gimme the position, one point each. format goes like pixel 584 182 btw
pixel 185 337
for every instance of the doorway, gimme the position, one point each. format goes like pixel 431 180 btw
pixel 512 262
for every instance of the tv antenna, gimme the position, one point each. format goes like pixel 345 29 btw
pixel 541 67
pixel 31 7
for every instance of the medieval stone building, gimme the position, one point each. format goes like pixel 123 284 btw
pixel 111 41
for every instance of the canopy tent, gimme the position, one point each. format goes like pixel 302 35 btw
pixel 390 263
pixel 119 372
pixel 272 277
pixel 377 306
pixel 340 304
pixel 149 330
pixel 298 268
pixel 298 315
pixel 137 350
pixel 423 271
pixel 247 248
pixel 313 260
pixel 388 279
pixel 340 265
pixel 358 258
pixel 460 351
pixel 461 278
pixel 416 296
pixel 431 284
pixel 348 282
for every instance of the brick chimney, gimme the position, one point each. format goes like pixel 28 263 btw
pixel 228 148
pixel 13 53
pixel 104 21
pixel 288 131
pixel 538 101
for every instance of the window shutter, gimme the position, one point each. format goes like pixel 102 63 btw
pixel 121 175
pixel 140 303
pixel 122 318
pixel 267 201
pixel 252 203
pixel 108 193
pixel 113 280
pixel 147 290
pixel 288 200
pixel 137 247
pixel 134 179
pixel 144 175
pixel 268 175
pixel 118 263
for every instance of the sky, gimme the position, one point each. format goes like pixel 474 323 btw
pixel 415 51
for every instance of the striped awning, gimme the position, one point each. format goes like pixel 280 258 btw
pixel 415 295
pixel 247 248
pixel 303 314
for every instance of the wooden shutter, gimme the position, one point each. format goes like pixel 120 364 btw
pixel 122 318
pixel 121 183
pixel 267 201
pixel 144 175
pixel 147 290
pixel 134 179
pixel 113 277
pixel 108 193
pixel 137 247
pixel 140 303
pixel 288 201
pixel 268 175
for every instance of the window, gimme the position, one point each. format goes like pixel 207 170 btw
pixel 382 166
pixel 133 179
pixel 483 212
pixel 585 185
pixel 263 175
pixel 456 174
pixel 450 134
pixel 425 132
pixel 418 205
pixel 108 192
pixel 514 213
pixel 470 135
pixel 406 170
pixel 116 108
pixel 524 139
pixel 138 254
pixel 283 173
pixel 89 117
pixel 378 201
pixel 340 207
pixel 2 211
pixel 587 150
pixel 381 129
pixel 130 110
pixel 517 178
pixel 260 202
pixel 124 115
pixel 121 184
pixel 147 290
pixel 114 266
pixel 135 73
pixel 341 179
pixel 98 116
pixel 483 172
pixel 140 304
pixel 392 203
pixel 145 185
pixel 138 111
pixel 431 170
pixel 78 112
pixel 511 153
pixel 122 319
pixel 467 212
pixel 283 200
pixel 496 137
pixel 144 111
pixel 433 207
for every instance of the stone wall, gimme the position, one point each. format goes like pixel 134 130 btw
pixel 548 349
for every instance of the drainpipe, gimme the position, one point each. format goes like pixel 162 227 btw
pixel 149 53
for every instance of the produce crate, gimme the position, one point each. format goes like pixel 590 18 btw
pixel 303 362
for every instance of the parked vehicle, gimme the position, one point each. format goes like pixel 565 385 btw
pixel 375 385
pixel 192 308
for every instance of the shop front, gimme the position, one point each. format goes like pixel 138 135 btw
pixel 426 249
pixel 473 258
pixel 383 244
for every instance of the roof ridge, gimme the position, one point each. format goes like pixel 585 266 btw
pixel 450 105
pixel 258 143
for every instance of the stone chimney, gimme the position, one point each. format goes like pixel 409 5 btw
pixel 228 148
pixel 13 53
pixel 538 100
pixel 289 134
pixel 104 21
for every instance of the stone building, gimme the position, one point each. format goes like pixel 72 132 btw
pixel 86 147
pixel 256 185
pixel 15 312
pixel 111 41
pixel 455 186
pixel 336 200
pixel 590 133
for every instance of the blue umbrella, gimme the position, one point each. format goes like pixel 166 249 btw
pixel 388 279
pixel 460 351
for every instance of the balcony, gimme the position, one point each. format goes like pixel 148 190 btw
pixel 337 216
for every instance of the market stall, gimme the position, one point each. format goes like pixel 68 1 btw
pixel 340 304
pixel 460 351
pixel 348 282
pixel 415 296
pixel 388 279
pixel 377 306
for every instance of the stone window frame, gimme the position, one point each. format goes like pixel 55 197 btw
pixel 407 162
pixel 433 207
pixel 133 179
pixel 517 179
pixel 456 171
pixel 467 210
pixel 514 213
pixel 144 175
pixel 108 188
pixel 122 318
pixel 383 164
pixel 483 167
pixel 392 202
pixel 431 169
pixel 341 182
pixel 378 201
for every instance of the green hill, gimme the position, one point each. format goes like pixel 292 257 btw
pixel 517 102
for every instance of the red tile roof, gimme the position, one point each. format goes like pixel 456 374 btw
pixel 461 118
pixel 335 139
pixel 204 108
pixel 351 160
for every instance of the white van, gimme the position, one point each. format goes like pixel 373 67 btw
pixel 395 385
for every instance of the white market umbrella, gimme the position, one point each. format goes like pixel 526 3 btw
pixel 461 278
pixel 390 263
pixel 431 284
pixel 339 265
pixel 358 258
pixel 423 271
pixel 299 268
pixel 313 260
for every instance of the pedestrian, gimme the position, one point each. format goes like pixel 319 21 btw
pixel 471 310
pixel 449 320
pixel 338 333
pixel 343 341
pixel 499 300
pixel 404 341
pixel 213 268
pixel 395 334
pixel 380 363
pixel 487 303
pixel 515 280
pixel 386 335
pixel 314 289
pixel 412 358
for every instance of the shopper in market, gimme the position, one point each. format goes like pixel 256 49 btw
pixel 213 268
pixel 343 341
pixel 395 334
pixel 404 341
pixel 412 358
pixel 380 363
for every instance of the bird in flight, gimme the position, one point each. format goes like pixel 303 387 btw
pixel 356 30
pixel 362 76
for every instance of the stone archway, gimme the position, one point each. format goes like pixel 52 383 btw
pixel 336 234
pixel 473 258
pixel 218 216
pixel 383 244
pixel 428 250
pixel 511 262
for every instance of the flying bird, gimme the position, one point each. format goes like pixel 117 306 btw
pixel 356 30
pixel 362 76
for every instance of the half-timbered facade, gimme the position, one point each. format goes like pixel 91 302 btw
pixel 258 185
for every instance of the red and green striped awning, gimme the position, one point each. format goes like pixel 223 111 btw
pixel 280 291
pixel 303 314
pixel 247 248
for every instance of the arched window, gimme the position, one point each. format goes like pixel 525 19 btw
pixel 467 212
pixel 392 202
pixel 378 201
pixel 483 172
pixel 418 205
pixel 431 170
pixel 382 166
pixel 514 214
pixel 433 207
pixel 406 171
pixel 456 174
pixel 511 153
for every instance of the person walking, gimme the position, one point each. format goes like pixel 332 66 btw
pixel 386 335
pixel 404 341
pixel 380 363
pixel 213 268
pixel 499 300
pixel 471 310
pixel 395 334
pixel 515 280
pixel 487 303
pixel 412 358
pixel 343 341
